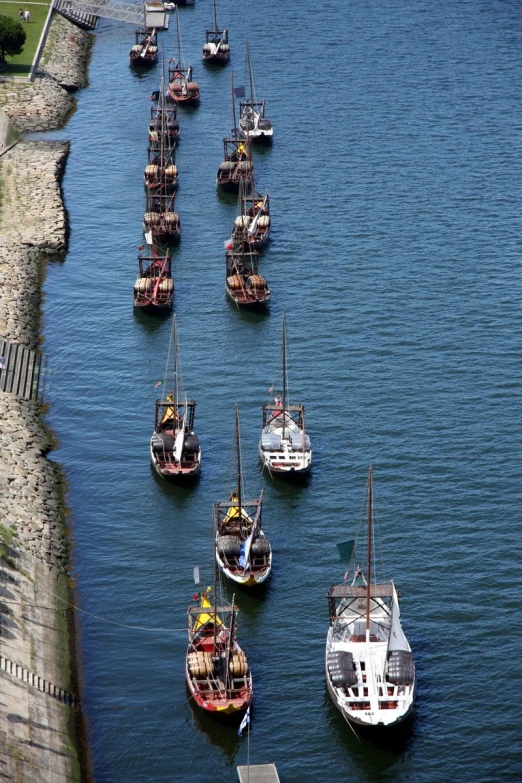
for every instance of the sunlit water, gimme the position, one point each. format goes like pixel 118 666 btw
pixel 395 189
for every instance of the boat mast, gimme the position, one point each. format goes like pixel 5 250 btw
pixel 284 372
pixel 249 64
pixel 238 466
pixel 369 563
pixel 215 581
pixel 215 17
pixel 233 105
pixel 179 38
pixel 175 329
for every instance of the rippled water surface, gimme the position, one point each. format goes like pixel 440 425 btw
pixel 395 185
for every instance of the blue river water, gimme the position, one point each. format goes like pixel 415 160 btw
pixel 395 186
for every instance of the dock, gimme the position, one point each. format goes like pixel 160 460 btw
pixel 258 773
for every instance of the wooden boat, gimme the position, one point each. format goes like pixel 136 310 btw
pixel 217 671
pixel 154 288
pixel 244 285
pixel 370 671
pixel 243 551
pixel 161 223
pixel 252 225
pixel 174 447
pixel 216 49
pixel 284 446
pixel 252 120
pixel 144 53
pixel 182 88
pixel 163 123
pixel 161 172
pixel 237 166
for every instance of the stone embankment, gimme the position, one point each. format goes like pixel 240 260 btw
pixel 47 102
pixel 39 733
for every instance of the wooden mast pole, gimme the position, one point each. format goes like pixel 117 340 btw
pixel 238 467
pixel 215 17
pixel 369 562
pixel 284 372
pixel 175 327
pixel 215 582
pixel 233 105
pixel 249 63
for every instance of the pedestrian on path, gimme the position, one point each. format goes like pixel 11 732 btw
pixel 27 15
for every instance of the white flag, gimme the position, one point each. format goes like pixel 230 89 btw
pixel 196 575
pixel 244 723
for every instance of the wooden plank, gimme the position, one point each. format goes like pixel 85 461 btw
pixel 258 773
pixel 21 372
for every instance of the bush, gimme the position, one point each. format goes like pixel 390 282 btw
pixel 12 37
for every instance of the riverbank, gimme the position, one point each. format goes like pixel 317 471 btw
pixel 40 732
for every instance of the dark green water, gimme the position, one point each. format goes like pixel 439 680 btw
pixel 395 189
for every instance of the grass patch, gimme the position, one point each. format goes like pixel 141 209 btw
pixel 21 64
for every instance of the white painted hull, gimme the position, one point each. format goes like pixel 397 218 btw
pixel 287 461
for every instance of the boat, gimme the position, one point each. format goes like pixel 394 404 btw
pixel 252 120
pixel 216 49
pixel 161 172
pixel 182 88
pixel 217 671
pixel 285 447
pixel 174 447
pixel 243 284
pixel 370 671
pixel 252 224
pixel 161 223
pixel 243 552
pixel 154 288
pixel 237 166
pixel 144 53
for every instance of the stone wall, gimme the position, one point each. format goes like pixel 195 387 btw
pixel 47 103
pixel 39 735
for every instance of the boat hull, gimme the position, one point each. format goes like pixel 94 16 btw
pixel 245 580
pixel 248 304
pixel 153 309
pixel 284 467
pixel 361 723
pixel 174 471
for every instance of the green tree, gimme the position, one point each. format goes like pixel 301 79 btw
pixel 12 37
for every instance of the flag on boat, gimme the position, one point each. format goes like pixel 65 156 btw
pixel 239 92
pixel 158 383
pixel 244 723
pixel 141 247
pixel 196 575
pixel 270 390
pixel 346 551
pixel 228 244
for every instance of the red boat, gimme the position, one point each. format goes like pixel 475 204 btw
pixel 217 670
pixel 182 89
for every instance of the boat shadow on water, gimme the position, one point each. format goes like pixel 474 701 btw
pixel 250 315
pixel 219 731
pixel 180 490
pixel 374 749
pixel 151 322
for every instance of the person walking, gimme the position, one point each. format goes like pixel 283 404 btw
pixel 27 15
pixel 21 15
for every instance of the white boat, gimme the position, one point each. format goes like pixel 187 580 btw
pixel 174 447
pixel 284 447
pixel 243 552
pixel 370 671
pixel 252 120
